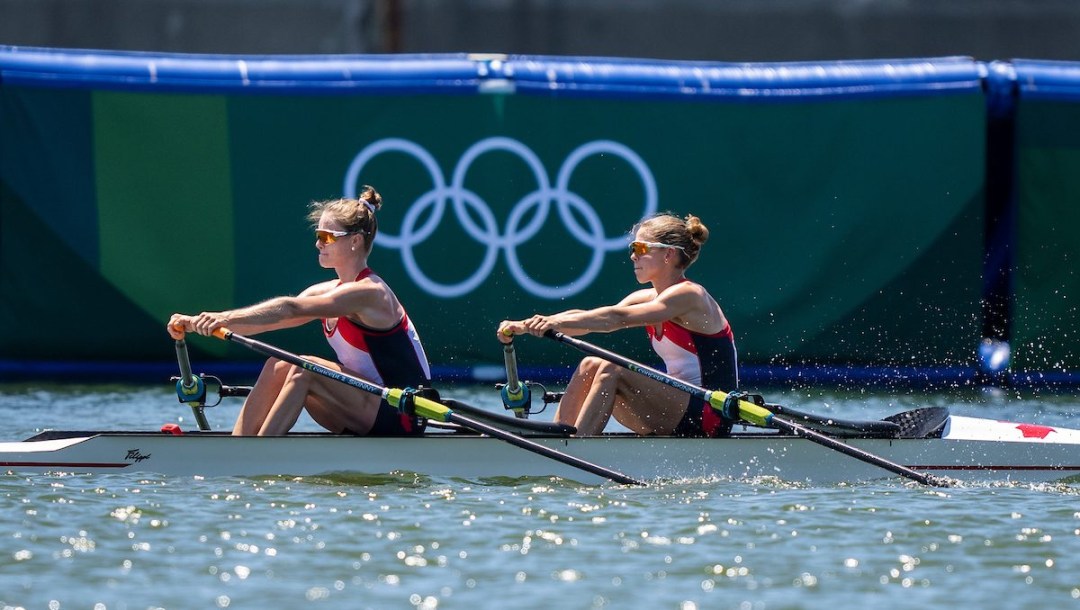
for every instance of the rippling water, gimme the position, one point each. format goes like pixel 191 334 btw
pixel 400 540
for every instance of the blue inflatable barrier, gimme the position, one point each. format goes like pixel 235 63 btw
pixel 795 81
pixel 329 74
pixel 1047 80
pixel 224 73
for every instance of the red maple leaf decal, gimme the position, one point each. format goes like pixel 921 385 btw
pixel 1034 431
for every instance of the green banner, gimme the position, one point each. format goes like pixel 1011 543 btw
pixel 842 231
pixel 1046 313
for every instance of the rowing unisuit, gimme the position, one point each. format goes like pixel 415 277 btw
pixel 707 360
pixel 392 357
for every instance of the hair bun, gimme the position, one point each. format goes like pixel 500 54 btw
pixel 698 231
pixel 370 197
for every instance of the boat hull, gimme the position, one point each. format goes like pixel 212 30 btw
pixel 999 457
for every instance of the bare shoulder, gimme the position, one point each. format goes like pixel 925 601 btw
pixel 684 290
pixel 639 296
pixel 319 289
pixel 704 294
pixel 364 291
pixel 371 302
pixel 703 313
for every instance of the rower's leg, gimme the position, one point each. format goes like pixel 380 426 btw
pixel 646 406
pixel 261 398
pixel 289 403
pixel 340 408
pixel 577 391
pixel 333 405
pixel 594 410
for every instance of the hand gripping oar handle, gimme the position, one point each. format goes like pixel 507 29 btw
pixel 748 411
pixel 424 407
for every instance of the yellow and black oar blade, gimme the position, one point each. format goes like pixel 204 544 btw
pixel 747 411
pixel 425 407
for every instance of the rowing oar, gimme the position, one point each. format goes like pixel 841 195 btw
pixel 748 411
pixel 424 407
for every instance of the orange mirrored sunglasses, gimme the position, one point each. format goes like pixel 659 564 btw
pixel 643 247
pixel 329 237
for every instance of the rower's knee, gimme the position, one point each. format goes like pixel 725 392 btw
pixel 593 365
pixel 602 371
pixel 295 374
pixel 275 367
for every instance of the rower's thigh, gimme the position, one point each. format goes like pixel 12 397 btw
pixel 648 406
pixel 338 407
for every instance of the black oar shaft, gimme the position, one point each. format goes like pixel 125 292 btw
pixel 545 451
pixel 426 407
pixel 757 414
pixel 855 452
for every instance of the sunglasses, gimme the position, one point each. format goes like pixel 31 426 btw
pixel 329 237
pixel 643 247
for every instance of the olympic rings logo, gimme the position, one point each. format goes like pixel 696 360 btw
pixel 515 232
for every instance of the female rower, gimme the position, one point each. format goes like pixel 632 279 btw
pixel 687 329
pixel 362 319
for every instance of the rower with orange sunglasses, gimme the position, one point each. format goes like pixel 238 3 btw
pixel 685 325
pixel 362 320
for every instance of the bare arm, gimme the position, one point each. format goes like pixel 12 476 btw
pixel 640 308
pixel 629 313
pixel 323 300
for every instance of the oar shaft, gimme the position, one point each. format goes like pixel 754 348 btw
pixel 269 350
pixel 749 411
pixel 425 407
pixel 535 447
pixel 827 441
pixel 595 350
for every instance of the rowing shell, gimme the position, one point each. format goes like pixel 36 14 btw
pixel 967 448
